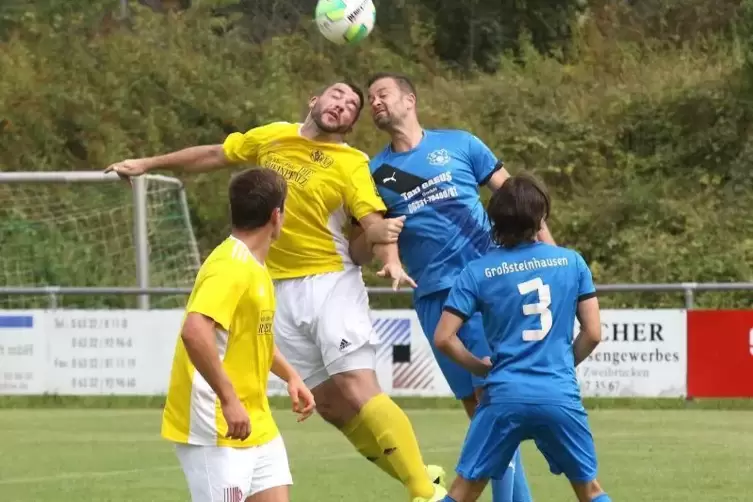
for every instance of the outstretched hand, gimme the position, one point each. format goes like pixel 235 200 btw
pixel 395 272
pixel 126 169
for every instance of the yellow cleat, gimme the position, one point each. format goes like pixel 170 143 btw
pixel 437 475
pixel 439 494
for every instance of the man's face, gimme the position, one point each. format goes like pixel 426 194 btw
pixel 336 110
pixel 389 104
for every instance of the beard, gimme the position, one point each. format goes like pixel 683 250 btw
pixel 316 115
pixel 385 122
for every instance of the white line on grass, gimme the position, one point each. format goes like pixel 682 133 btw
pixel 64 476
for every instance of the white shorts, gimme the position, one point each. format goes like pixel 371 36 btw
pixel 323 324
pixel 227 474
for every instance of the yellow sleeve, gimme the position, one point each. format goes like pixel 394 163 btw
pixel 361 195
pixel 218 293
pixel 244 147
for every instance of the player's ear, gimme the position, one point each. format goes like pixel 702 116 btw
pixel 411 99
pixel 312 102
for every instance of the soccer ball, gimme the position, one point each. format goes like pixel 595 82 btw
pixel 345 21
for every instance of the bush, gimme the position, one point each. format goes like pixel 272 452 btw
pixel 645 147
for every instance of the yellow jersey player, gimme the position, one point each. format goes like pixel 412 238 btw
pixel 217 412
pixel 323 324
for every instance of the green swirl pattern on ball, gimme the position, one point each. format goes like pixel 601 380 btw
pixel 334 10
pixel 356 33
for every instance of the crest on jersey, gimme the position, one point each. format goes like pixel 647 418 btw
pixel 439 157
pixel 321 158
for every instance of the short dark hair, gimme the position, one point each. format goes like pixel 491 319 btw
pixel 254 195
pixel 403 81
pixel 517 209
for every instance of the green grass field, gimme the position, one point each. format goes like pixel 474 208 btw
pixel 116 455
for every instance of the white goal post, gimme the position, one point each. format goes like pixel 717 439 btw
pixel 88 229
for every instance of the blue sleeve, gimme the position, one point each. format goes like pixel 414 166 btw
pixel 463 298
pixel 586 288
pixel 483 161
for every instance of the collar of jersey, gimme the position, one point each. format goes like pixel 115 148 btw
pixel 300 125
pixel 256 260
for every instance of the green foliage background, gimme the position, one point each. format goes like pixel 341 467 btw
pixel 638 117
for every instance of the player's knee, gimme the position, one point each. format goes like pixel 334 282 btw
pixel 331 414
pixel 357 386
pixel 331 405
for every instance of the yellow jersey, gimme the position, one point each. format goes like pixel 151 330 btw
pixel 235 290
pixel 329 184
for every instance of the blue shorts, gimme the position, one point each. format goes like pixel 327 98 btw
pixel 462 382
pixel 561 434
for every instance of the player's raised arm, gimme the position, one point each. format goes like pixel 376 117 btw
pixel 237 148
pixel 195 159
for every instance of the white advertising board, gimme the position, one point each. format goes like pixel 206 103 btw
pixel 643 353
pixel 86 352
pixel 110 352
pixel 23 353
pixel 129 352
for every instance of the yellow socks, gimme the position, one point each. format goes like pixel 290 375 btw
pixel 397 443
pixel 362 438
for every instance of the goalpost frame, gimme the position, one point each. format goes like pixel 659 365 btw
pixel 140 220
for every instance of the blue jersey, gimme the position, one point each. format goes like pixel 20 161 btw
pixel 528 297
pixel 436 186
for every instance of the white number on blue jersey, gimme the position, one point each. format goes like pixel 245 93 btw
pixel 541 308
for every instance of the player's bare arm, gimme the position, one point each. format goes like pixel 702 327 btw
pixel 300 396
pixel 360 250
pixel 362 243
pixel 496 181
pixel 387 254
pixel 198 336
pixel 385 231
pixel 446 340
pixel 589 336
pixel 195 159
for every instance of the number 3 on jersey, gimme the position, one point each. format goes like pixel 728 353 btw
pixel 541 308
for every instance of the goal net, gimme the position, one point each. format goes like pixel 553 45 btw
pixel 87 229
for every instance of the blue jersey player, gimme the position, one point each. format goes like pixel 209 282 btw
pixel 529 294
pixel 429 181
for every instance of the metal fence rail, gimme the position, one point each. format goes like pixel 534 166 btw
pixel 688 288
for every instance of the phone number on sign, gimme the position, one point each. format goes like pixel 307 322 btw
pixel 91 323
pixel 600 385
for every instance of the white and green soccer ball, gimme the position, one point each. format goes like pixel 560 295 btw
pixel 345 21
